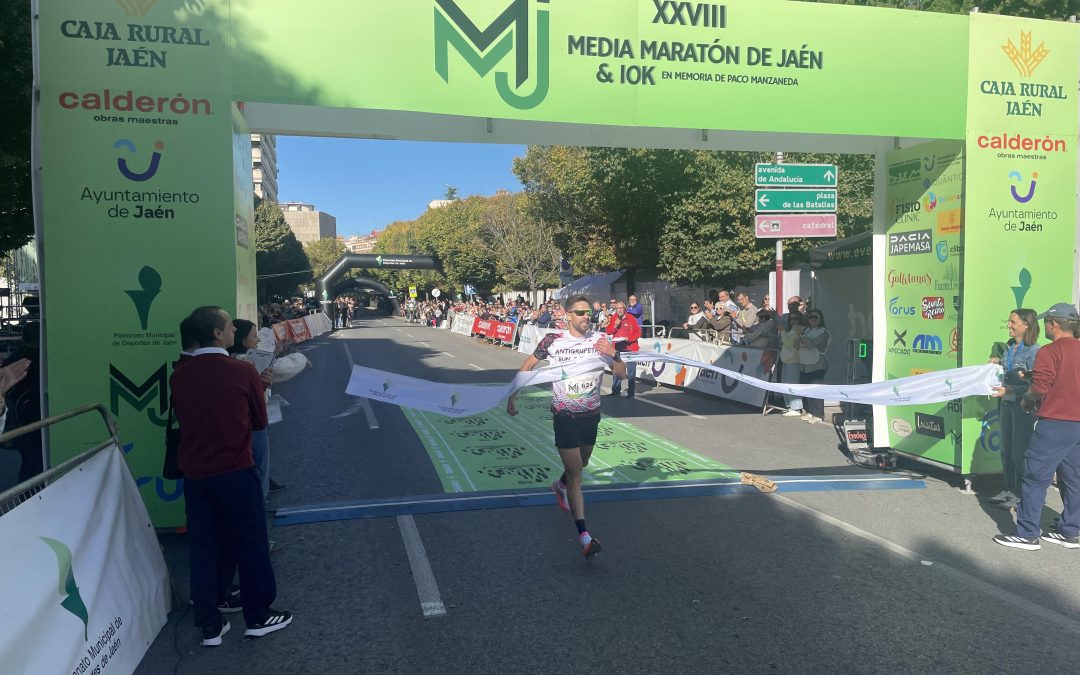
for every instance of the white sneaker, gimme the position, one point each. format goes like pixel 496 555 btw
pixel 793 413
pixel 1001 496
pixel 1011 503
pixel 806 417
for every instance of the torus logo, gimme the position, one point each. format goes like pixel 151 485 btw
pixel 122 163
pixel 926 344
pixel 150 281
pixel 897 309
pixel 454 29
pixel 68 589
pixel 136 7
pixel 1025 60
pixel 141 396
pixel 1015 177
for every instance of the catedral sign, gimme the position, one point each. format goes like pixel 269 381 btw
pixel 145 158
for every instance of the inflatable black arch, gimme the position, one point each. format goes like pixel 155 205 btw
pixel 330 288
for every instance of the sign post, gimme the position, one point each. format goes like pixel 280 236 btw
pixel 796 175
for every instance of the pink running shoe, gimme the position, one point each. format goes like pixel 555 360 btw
pixel 560 495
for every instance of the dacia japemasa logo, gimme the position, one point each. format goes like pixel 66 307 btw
pixel 484 48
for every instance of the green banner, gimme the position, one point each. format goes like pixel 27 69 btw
pixel 754 65
pixel 1020 229
pixel 140 200
pixel 496 452
pixel 922 285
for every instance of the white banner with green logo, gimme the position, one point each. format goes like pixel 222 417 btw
pixel 455 400
pixel 85 589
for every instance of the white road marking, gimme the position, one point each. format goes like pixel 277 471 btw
pixel 408 334
pixel 353 409
pixel 475 366
pixel 450 355
pixel 430 600
pixel 1001 594
pixel 668 407
pixel 364 403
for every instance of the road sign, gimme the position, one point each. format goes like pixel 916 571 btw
pixel 436 292
pixel 795 201
pixel 795 175
pixel 781 226
pixel 412 291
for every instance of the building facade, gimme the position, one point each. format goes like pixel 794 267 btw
pixel 264 171
pixel 361 244
pixel 309 224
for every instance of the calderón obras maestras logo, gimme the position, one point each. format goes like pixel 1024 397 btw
pixel 454 29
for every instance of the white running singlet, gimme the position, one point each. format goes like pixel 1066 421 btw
pixel 580 394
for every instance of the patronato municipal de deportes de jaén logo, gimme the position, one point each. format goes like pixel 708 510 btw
pixel 508 32
pixel 67 588
pixel 1024 58
pixel 150 286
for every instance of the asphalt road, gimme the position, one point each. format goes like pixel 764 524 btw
pixel 847 582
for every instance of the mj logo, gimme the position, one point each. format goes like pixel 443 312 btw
pixel 454 29
pixel 141 396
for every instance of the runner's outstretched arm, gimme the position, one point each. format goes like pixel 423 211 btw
pixel 530 363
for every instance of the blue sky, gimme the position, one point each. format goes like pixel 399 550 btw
pixel 369 184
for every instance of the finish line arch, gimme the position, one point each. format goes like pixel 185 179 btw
pixel 144 153
pixel 329 286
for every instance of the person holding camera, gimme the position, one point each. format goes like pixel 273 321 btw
pixel 1054 399
pixel 1017 358
pixel 624 331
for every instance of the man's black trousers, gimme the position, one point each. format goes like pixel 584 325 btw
pixel 226 531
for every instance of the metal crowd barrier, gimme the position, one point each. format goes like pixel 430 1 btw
pixel 12 497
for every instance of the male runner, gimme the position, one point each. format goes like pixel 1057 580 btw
pixel 575 406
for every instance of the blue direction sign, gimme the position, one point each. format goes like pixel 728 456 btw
pixel 795 201
pixel 795 175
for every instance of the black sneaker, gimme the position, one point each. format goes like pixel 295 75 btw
pixel 591 549
pixel 231 605
pixel 275 620
pixel 1012 541
pixel 277 487
pixel 1055 537
pixel 629 394
pixel 211 637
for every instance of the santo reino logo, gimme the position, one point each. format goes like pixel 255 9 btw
pixel 508 32
pixel 125 169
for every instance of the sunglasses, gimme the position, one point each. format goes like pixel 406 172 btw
pixel 581 312
pixel 693 307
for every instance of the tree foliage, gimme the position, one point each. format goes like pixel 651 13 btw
pixel 16 83
pixel 525 253
pixel 323 253
pixel 280 262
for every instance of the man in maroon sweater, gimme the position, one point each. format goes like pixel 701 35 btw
pixel 1054 397
pixel 218 401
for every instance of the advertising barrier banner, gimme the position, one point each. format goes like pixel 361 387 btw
pixel 84 584
pixel 923 289
pixel 530 336
pixel 753 362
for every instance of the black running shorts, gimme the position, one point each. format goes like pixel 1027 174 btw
pixel 574 431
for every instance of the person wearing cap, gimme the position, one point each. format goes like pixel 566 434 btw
pixel 1054 397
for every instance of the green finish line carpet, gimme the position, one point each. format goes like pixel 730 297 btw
pixel 494 451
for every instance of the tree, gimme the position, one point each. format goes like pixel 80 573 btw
pixel 525 251
pixel 16 81
pixel 323 253
pixel 451 192
pixel 280 262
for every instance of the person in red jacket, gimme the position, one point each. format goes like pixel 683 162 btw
pixel 218 402
pixel 625 333
pixel 1054 397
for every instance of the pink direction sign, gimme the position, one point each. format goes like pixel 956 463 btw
pixel 789 225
